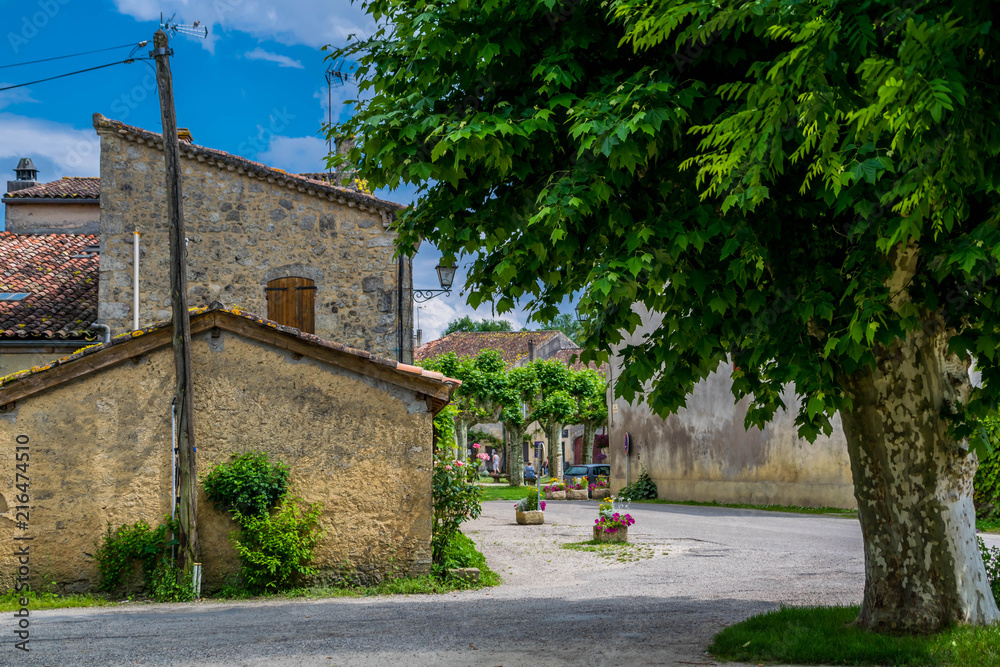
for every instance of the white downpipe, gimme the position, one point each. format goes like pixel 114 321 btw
pixel 135 281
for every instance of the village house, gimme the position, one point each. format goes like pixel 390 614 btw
pixel 355 430
pixel 704 452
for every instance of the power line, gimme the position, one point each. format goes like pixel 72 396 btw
pixel 74 55
pixel 62 76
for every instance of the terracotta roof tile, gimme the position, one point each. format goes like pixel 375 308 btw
pixel 512 345
pixel 62 300
pixel 68 187
pixel 228 160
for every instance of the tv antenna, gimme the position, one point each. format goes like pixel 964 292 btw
pixel 337 75
pixel 193 30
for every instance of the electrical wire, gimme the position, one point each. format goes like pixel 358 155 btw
pixel 62 76
pixel 74 55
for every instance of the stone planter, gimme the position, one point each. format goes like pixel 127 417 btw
pixel 555 495
pixel 620 535
pixel 465 573
pixel 532 518
pixel 576 494
pixel 598 494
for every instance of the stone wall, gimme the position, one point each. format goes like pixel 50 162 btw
pixel 704 453
pixel 244 231
pixel 52 218
pixel 100 453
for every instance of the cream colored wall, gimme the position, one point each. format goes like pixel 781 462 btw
pixel 704 453
pixel 61 218
pixel 100 452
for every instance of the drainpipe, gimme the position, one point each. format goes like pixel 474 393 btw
pixel 135 281
pixel 173 470
pixel 105 328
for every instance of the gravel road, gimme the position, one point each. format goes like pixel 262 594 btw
pixel 692 571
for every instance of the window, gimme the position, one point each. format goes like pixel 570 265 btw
pixel 292 302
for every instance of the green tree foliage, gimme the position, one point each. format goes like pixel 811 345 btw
pixel 590 393
pixel 478 399
pixel 476 326
pixel 809 188
pixel 249 484
pixel 555 406
pixel 986 485
pixel 519 400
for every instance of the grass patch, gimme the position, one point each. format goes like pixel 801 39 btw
pixel 505 492
pixel 988 525
pixel 11 601
pixel 616 552
pixel 795 509
pixel 823 635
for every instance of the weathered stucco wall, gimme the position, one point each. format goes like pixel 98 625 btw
pixel 704 453
pixel 52 218
pixel 243 232
pixel 100 452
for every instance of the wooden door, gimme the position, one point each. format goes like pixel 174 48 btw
pixel 292 302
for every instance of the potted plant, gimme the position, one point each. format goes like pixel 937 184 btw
pixel 611 526
pixel 528 512
pixel 555 491
pixel 576 489
pixel 600 489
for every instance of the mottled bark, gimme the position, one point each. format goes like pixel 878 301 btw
pixel 588 443
pixel 555 460
pixel 461 438
pixel 516 457
pixel 913 484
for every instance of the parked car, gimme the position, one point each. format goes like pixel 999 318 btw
pixel 589 470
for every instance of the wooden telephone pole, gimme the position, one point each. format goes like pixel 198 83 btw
pixel 187 514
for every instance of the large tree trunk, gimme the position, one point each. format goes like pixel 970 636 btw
pixel 461 438
pixel 516 457
pixel 913 484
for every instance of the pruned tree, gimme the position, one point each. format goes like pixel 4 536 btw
pixel 467 324
pixel 806 187
pixel 554 407
pixel 521 393
pixel 478 399
pixel 590 393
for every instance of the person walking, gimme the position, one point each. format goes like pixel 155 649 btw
pixel 496 462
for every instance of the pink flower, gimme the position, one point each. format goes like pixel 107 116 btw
pixel 459 463
pixel 483 457
pixel 477 446
pixel 447 467
pixel 543 505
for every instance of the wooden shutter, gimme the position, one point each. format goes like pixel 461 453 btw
pixel 292 302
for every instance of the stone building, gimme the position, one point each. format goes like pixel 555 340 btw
pixel 310 254
pixel 70 205
pixel 704 452
pixel 354 429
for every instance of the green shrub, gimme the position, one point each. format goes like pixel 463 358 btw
pixel 127 545
pixel 987 482
pixel 275 549
pixel 457 552
pixel 249 484
pixel 643 488
pixel 456 498
pixel 991 559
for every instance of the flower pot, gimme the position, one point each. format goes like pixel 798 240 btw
pixel 555 495
pixel 598 494
pixel 620 535
pixel 576 494
pixel 532 518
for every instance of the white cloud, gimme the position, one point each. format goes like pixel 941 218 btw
pixel 16 96
pixel 57 149
pixel 295 154
pixel 311 22
pixel 282 61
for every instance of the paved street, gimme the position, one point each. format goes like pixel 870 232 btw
pixel 697 570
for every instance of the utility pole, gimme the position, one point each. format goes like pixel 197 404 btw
pixel 187 515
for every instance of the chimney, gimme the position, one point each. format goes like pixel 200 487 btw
pixel 184 134
pixel 531 349
pixel 344 145
pixel 26 175
pixel 420 337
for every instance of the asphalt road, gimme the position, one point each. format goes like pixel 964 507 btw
pixel 694 571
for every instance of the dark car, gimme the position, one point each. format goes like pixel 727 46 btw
pixel 589 470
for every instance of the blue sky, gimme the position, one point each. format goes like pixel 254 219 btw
pixel 255 88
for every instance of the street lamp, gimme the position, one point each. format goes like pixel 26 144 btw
pixel 581 315
pixel 446 276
